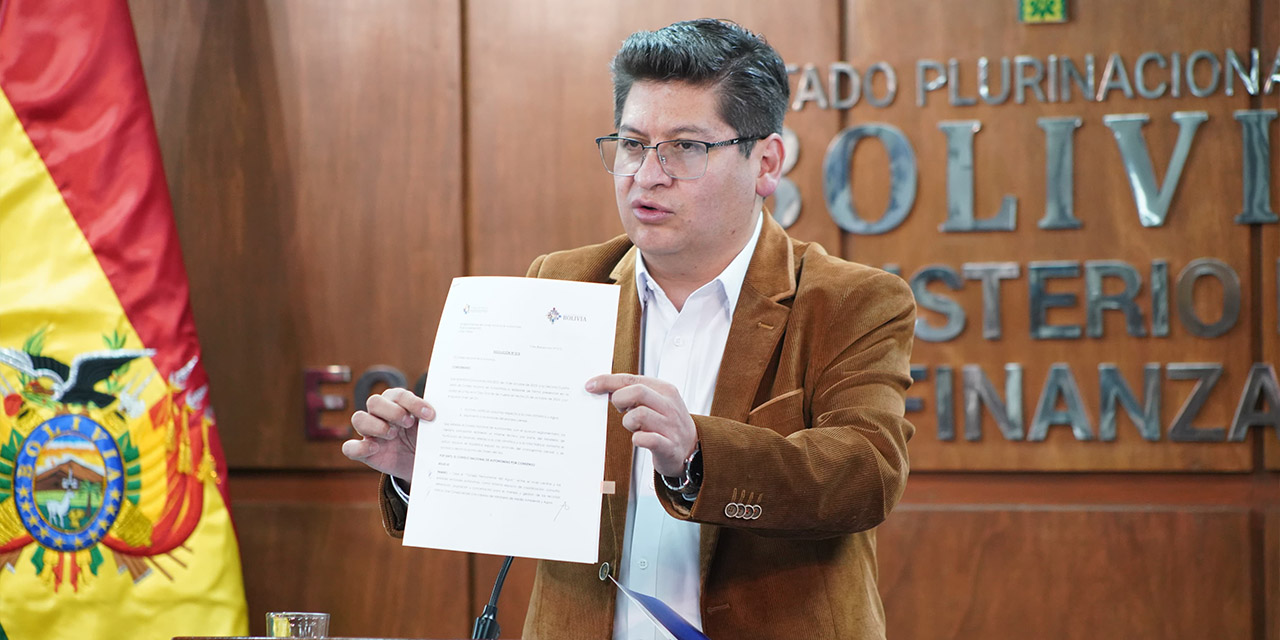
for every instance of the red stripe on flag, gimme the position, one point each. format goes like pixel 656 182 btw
pixel 71 70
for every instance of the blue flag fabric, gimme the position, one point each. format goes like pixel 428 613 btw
pixel 664 616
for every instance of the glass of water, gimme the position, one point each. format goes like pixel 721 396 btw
pixel 297 624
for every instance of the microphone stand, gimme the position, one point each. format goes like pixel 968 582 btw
pixel 486 627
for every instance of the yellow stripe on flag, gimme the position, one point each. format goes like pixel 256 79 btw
pixel 51 279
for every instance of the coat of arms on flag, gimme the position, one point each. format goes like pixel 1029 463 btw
pixel 113 496
pixel 72 466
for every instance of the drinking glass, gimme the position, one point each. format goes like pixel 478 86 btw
pixel 297 624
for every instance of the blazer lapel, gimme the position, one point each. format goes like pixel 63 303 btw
pixel 759 321
pixel 618 449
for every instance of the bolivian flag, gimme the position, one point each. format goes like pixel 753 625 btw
pixel 113 495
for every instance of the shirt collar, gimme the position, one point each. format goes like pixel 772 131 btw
pixel 730 279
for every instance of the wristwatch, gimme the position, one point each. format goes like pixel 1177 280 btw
pixel 690 482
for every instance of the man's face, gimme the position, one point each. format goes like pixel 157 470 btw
pixel 686 226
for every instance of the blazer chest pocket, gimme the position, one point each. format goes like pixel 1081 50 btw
pixel 783 414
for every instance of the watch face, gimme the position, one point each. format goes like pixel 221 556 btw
pixel 693 468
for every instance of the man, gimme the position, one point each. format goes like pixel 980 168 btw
pixel 765 438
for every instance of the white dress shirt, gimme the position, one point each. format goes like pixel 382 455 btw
pixel 684 348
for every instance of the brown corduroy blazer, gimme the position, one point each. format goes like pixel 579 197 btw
pixel 806 434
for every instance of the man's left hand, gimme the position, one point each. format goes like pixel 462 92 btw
pixel 655 415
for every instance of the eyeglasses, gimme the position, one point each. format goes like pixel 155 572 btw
pixel 680 159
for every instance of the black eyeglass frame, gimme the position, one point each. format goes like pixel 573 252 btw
pixel 646 147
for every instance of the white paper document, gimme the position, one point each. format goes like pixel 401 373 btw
pixel 513 462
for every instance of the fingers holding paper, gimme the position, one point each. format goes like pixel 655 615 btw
pixel 655 414
pixel 388 432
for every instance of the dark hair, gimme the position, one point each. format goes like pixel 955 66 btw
pixel 749 74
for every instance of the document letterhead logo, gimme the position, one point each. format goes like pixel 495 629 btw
pixel 554 316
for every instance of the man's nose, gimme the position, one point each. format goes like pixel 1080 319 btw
pixel 651 173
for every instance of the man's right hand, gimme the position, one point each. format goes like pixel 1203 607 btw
pixel 389 432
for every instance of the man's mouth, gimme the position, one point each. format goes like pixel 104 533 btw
pixel 648 208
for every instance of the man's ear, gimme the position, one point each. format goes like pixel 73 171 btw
pixel 772 156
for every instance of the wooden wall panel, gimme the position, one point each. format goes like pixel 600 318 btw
pixel 319 153
pixel 313 156
pixel 1271 555
pixel 318 545
pixel 1269 236
pixel 1010 159
pixel 538 80
pixel 1071 572
pixel 1164 490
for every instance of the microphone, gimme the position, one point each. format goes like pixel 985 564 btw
pixel 486 627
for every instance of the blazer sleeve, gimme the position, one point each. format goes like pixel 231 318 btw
pixel 393 508
pixel 842 465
